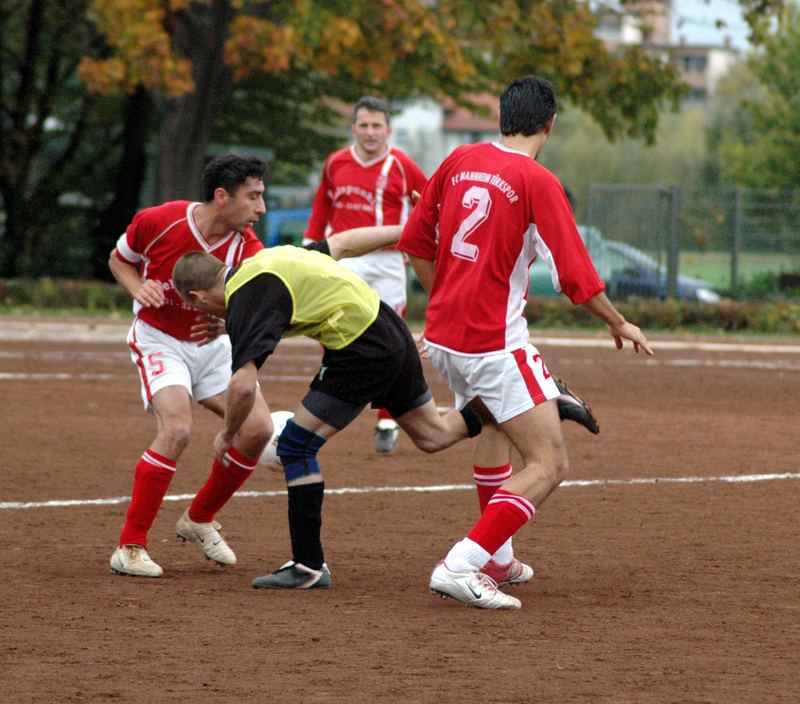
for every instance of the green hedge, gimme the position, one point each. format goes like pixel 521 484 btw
pixel 63 295
pixel 775 317
pixel 729 316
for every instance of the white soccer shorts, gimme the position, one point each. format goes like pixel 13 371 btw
pixel 162 361
pixel 385 271
pixel 508 383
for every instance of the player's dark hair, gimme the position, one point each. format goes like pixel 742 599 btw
pixel 526 106
pixel 373 104
pixel 230 171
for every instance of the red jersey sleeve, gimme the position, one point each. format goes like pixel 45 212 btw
pixel 416 179
pixel 321 208
pixel 139 234
pixel 419 237
pixel 555 224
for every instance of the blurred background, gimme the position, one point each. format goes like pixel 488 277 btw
pixel 677 134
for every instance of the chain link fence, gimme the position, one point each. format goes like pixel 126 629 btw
pixel 654 241
pixel 694 243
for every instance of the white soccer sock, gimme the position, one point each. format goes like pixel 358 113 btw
pixel 504 554
pixel 466 556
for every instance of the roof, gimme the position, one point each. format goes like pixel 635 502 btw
pixel 461 119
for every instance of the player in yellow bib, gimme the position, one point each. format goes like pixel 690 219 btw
pixel 369 357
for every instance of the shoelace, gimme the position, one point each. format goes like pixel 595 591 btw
pixel 486 581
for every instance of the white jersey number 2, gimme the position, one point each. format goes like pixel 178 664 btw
pixel 478 200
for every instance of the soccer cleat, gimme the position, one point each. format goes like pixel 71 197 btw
pixel 515 572
pixel 474 588
pixel 387 434
pixel 134 561
pixel 572 407
pixel 206 536
pixel 294 575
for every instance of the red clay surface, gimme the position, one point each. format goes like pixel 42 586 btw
pixel 644 592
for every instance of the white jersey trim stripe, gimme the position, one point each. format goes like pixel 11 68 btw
pixel 198 235
pixel 543 252
pixel 387 165
pixel 124 249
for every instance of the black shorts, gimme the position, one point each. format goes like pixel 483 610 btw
pixel 382 367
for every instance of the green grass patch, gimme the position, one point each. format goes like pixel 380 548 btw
pixel 715 267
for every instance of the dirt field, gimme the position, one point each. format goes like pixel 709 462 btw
pixel 658 577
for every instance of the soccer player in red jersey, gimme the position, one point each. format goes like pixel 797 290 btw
pixel 181 354
pixel 485 215
pixel 369 183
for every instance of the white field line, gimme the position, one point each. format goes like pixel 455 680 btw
pixel 109 331
pixel 437 488
pixel 763 364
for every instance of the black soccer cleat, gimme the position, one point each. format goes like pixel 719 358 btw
pixel 572 407
pixel 294 575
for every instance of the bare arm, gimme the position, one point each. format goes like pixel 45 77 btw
pixel 620 329
pixel 239 401
pixel 425 270
pixel 149 293
pixel 362 240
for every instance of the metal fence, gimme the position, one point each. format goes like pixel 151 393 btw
pixel 681 242
pixel 652 241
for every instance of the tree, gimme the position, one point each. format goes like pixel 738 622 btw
pixel 45 118
pixel 195 57
pixel 759 140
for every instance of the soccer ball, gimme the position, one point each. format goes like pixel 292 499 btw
pixel 269 458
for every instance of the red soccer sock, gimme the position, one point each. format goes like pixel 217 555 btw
pixel 505 514
pixel 488 480
pixel 222 483
pixel 151 480
pixel 383 414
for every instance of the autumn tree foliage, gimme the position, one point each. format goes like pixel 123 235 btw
pixel 89 87
pixel 194 56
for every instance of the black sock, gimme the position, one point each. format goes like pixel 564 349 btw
pixel 305 523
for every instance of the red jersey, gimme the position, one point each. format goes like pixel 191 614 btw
pixel 155 240
pixel 484 216
pixel 356 193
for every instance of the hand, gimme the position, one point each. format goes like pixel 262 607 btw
pixel 221 444
pixel 420 340
pixel 629 331
pixel 207 328
pixel 150 294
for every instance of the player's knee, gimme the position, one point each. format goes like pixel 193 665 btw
pixel 297 449
pixel 177 433
pixel 430 444
pixel 557 469
pixel 255 433
pixel 561 470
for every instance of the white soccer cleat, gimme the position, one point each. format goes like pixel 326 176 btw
pixel 474 588
pixel 134 561
pixel 206 536
pixel 515 572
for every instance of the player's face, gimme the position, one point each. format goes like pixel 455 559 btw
pixel 371 131
pixel 211 301
pixel 245 207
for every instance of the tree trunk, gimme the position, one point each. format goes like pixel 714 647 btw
pixel 130 177
pixel 12 241
pixel 187 123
